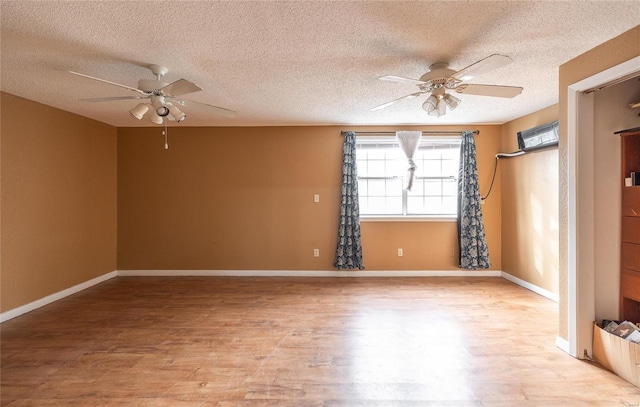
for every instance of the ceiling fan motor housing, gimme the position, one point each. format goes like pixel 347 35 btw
pixel 151 85
pixel 439 76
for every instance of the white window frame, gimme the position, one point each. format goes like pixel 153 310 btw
pixel 405 217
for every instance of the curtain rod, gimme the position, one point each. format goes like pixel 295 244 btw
pixel 476 132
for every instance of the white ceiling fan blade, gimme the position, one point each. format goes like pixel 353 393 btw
pixel 109 82
pixel 401 79
pixel 489 90
pixel 221 110
pixel 487 64
pixel 180 87
pixel 109 99
pixel 382 106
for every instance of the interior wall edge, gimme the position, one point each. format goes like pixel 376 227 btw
pixel 16 312
pixel 310 273
pixel 23 309
pixel 59 213
pixel 530 206
pixel 531 287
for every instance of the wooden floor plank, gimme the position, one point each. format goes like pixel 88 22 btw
pixel 193 342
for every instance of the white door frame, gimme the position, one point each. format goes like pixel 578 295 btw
pixel 581 202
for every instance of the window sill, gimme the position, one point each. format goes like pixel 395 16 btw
pixel 414 218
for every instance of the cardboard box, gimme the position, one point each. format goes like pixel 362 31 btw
pixel 617 355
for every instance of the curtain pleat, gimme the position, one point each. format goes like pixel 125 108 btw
pixel 472 242
pixel 409 141
pixel 349 250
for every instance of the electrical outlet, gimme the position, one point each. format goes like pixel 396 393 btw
pixel 400 253
pixel 452 253
pixel 316 252
pixel 316 198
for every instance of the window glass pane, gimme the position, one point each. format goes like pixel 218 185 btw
pixel 432 167
pixel 417 188
pixel 397 167
pixel 394 187
pixel 415 205
pixel 449 187
pixel 362 187
pixel 376 154
pixel 450 167
pixel 378 205
pixel 376 168
pixel 363 170
pixel 382 167
pixel 394 205
pixel 433 205
pixel 426 153
pixel 363 201
pixel 432 187
pixel 361 154
pixel 450 205
pixel 377 187
pixel 451 153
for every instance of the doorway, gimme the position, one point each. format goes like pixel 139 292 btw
pixel 582 238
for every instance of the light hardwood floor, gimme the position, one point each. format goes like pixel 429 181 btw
pixel 146 341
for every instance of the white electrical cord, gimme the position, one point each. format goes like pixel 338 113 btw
pixel 509 155
pixel 495 169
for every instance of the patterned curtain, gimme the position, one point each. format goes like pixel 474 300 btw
pixel 472 242
pixel 349 251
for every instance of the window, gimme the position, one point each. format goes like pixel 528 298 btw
pixel 382 166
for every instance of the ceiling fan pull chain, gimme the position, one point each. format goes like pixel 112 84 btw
pixel 165 133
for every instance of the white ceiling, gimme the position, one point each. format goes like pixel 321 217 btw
pixel 297 63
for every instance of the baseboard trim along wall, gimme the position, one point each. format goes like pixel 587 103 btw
pixel 531 287
pixel 5 316
pixel 563 345
pixel 310 273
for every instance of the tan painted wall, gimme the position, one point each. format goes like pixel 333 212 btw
pixel 242 198
pixel 600 58
pixel 530 206
pixel 58 200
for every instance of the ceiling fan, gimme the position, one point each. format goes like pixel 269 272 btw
pixel 163 98
pixel 441 78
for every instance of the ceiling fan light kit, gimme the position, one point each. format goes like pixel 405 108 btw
pixel 163 97
pixel 430 104
pixel 452 101
pixel 139 111
pixel 440 108
pixel 177 114
pixel 154 118
pixel 440 78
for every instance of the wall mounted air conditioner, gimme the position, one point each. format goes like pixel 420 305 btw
pixel 542 136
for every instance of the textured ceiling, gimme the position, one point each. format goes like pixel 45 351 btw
pixel 297 63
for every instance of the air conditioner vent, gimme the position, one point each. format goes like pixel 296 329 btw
pixel 542 136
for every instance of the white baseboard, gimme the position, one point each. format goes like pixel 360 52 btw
pixel 563 345
pixel 311 273
pixel 532 287
pixel 5 316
